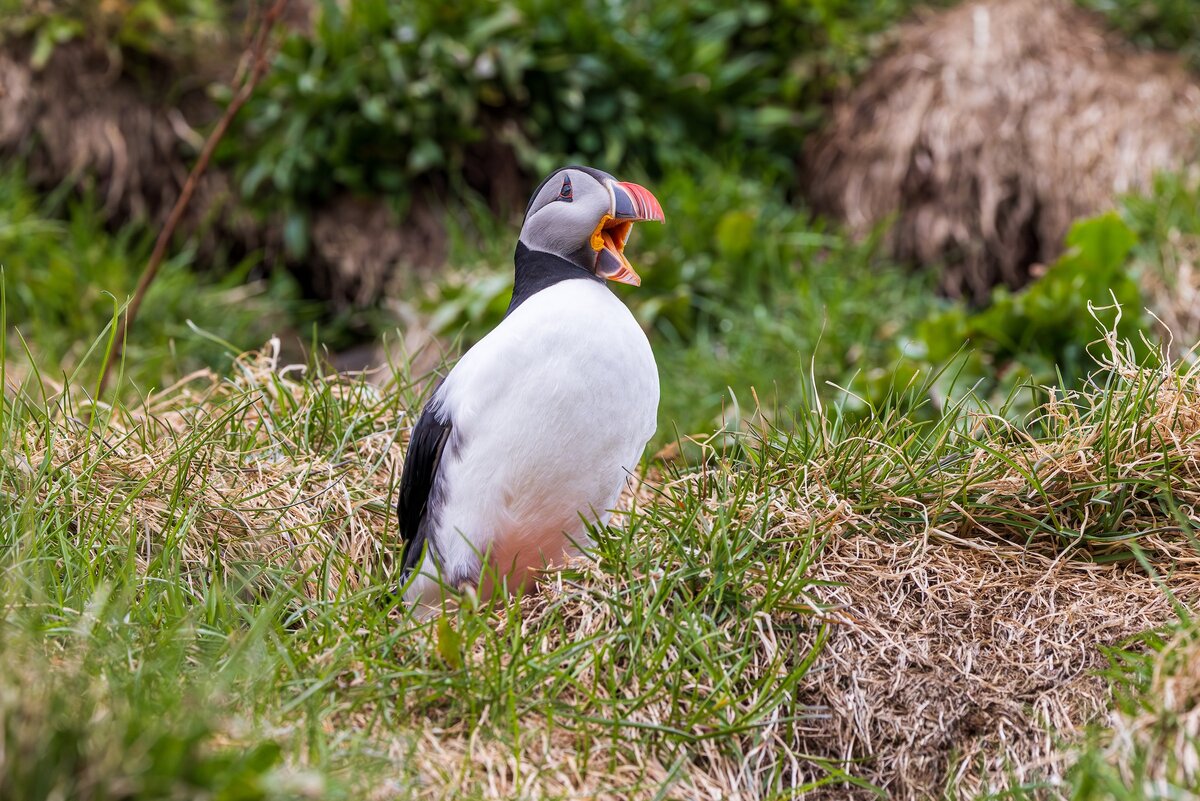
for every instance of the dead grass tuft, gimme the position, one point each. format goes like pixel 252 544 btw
pixel 965 669
pixel 992 127
pixel 80 120
pixel 77 119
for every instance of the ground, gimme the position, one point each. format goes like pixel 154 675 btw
pixel 886 606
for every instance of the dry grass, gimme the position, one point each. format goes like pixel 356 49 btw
pixel 78 119
pixel 963 669
pixel 96 124
pixel 212 463
pixel 992 127
pixel 924 614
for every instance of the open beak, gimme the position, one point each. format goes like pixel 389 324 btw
pixel 630 203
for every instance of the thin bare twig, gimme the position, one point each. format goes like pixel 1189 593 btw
pixel 259 60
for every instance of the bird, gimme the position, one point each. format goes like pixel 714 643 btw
pixel 534 433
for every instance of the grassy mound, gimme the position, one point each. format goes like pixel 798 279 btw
pixel 871 606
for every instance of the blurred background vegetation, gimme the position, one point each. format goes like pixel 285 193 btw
pixel 439 118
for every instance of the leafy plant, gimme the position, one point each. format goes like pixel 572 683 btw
pixel 385 94
pixel 1040 335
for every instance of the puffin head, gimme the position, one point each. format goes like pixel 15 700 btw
pixel 585 215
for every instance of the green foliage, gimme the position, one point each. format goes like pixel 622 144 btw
pixel 1040 335
pixel 726 236
pixel 65 279
pixel 1170 209
pixel 387 93
pixel 1043 335
pixel 750 302
pixel 1157 24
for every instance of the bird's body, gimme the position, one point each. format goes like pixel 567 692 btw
pixel 550 413
pixel 536 431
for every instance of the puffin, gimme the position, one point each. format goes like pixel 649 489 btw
pixel 532 436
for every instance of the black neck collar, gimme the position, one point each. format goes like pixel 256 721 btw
pixel 537 270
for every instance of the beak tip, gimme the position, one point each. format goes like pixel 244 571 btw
pixel 635 202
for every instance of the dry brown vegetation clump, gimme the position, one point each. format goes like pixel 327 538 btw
pixel 81 120
pixel 975 603
pixel 77 119
pixel 969 668
pixel 994 125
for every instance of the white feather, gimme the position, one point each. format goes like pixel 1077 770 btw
pixel 551 412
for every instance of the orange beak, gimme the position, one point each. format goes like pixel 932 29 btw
pixel 630 203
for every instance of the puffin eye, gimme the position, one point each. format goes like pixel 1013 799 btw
pixel 565 192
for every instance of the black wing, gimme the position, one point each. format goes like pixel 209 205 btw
pixel 425 447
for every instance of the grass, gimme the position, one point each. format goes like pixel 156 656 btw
pixel 157 545
pixel 204 578
pixel 65 275
pixel 846 579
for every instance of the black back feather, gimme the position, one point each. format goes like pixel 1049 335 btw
pixel 425 446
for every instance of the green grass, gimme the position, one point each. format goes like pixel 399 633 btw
pixel 168 607
pixel 207 585
pixel 65 277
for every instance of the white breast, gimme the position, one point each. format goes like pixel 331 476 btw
pixel 551 413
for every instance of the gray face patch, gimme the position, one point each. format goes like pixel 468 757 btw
pixel 562 223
